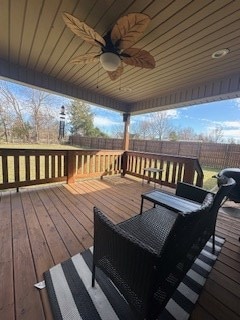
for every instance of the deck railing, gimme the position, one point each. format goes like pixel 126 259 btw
pixel 94 163
pixel 175 168
pixel 25 167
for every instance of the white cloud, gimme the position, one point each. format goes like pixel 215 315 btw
pixel 100 121
pixel 238 102
pixel 231 124
pixel 173 113
pixel 232 132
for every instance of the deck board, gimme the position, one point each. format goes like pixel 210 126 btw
pixel 6 265
pixel 27 300
pixel 42 226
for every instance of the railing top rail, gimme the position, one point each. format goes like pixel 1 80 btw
pixel 98 151
pixel 14 152
pixel 162 154
pixel 40 149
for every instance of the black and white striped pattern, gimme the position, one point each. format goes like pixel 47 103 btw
pixel 72 297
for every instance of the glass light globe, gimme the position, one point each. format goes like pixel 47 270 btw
pixel 110 61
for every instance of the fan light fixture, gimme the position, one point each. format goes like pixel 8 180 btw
pixel 110 61
pixel 116 46
pixel 220 53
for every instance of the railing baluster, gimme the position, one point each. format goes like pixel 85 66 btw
pixel 16 169
pixel 59 165
pixel 5 168
pixel 53 161
pixel 101 163
pixel 27 167
pixel 174 170
pixel 91 169
pixel 97 163
pixel 37 169
pixel 46 166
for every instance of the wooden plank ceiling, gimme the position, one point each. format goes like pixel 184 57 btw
pixel 36 47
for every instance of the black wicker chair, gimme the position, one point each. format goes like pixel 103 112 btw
pixel 148 255
pixel 197 194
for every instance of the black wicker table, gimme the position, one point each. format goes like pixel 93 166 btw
pixel 169 201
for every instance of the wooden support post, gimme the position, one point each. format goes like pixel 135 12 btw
pixel 124 163
pixel 188 175
pixel 126 120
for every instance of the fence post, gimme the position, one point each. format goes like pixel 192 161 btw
pixel 71 166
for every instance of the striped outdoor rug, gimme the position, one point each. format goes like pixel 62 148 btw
pixel 72 297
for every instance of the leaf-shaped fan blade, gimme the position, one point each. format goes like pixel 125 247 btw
pixel 114 75
pixel 129 29
pixel 86 58
pixel 138 58
pixel 82 30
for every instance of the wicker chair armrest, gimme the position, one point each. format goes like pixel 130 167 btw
pixel 116 234
pixel 191 192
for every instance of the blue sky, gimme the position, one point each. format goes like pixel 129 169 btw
pixel 201 118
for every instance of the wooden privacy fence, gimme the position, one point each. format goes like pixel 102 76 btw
pixel 216 155
pixel 24 167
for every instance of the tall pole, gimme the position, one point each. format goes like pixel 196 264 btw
pixel 62 124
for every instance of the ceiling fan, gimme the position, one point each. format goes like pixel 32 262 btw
pixel 116 45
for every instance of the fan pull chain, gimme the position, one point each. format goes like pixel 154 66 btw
pixel 120 83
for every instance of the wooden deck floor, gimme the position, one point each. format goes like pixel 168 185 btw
pixel 43 226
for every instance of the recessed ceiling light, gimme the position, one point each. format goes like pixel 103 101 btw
pixel 220 53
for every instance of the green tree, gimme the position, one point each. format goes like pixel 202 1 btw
pixel 173 135
pixel 81 120
pixel 98 133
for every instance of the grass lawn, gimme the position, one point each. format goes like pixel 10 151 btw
pixel 209 182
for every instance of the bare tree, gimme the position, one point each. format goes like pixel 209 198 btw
pixel 160 124
pixel 231 140
pixel 216 135
pixel 37 106
pixel 187 134
pixel 50 125
pixel 141 129
pixel 117 131
pixel 32 115
pixel 14 109
pixel 5 123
